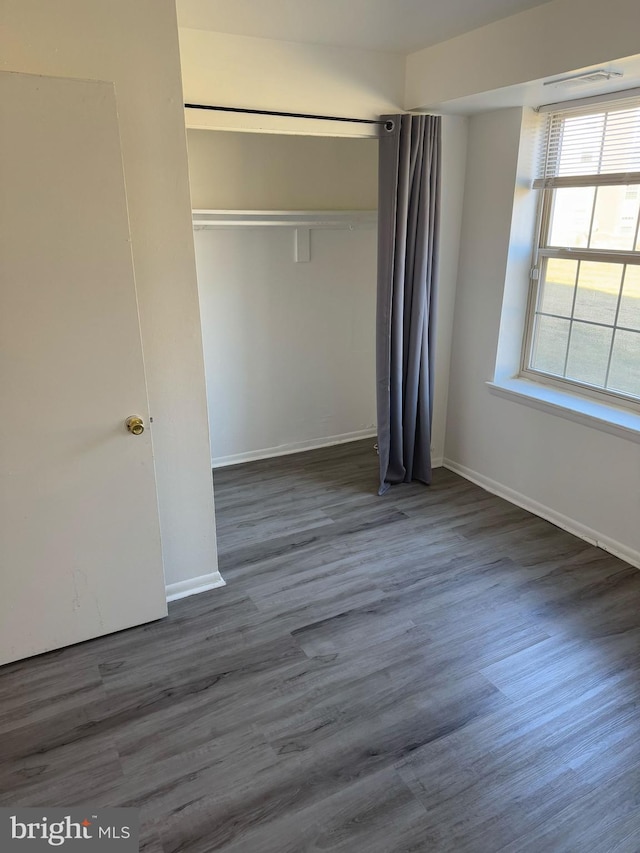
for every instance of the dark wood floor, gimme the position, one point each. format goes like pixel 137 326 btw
pixel 434 670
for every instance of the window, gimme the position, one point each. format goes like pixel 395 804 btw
pixel 583 325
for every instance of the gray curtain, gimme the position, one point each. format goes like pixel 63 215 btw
pixel 408 226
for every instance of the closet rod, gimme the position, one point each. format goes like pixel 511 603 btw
pixel 388 125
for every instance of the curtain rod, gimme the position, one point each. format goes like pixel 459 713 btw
pixel 388 125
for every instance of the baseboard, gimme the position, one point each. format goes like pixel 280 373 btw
pixel 569 524
pixel 293 447
pixel 437 462
pixel 193 586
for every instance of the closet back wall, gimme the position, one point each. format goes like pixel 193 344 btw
pixel 289 347
pixel 263 171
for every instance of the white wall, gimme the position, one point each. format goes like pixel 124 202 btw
pixel 289 347
pixel 585 478
pixel 257 171
pixel 134 43
pixel 552 39
pixel 239 71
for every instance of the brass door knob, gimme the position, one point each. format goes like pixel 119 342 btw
pixel 135 425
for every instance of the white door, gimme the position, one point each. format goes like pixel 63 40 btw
pixel 80 551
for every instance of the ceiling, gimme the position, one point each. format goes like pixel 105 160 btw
pixel 398 26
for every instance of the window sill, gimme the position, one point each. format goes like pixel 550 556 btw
pixel 591 413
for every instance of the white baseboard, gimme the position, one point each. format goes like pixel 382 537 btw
pixel 193 586
pixel 294 447
pixel 437 462
pixel 569 524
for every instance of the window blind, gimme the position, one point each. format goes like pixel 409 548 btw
pixel 595 145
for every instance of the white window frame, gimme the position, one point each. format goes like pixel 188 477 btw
pixel 541 253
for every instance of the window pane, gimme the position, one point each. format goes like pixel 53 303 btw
pixel 624 374
pixel 598 290
pixel 558 286
pixel 585 326
pixel 588 353
pixel 615 217
pixel 571 216
pixel 550 345
pixel 630 303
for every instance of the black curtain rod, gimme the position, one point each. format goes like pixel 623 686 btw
pixel 388 125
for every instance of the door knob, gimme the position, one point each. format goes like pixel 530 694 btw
pixel 135 424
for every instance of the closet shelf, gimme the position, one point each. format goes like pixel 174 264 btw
pixel 349 219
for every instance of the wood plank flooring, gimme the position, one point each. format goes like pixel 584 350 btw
pixel 433 670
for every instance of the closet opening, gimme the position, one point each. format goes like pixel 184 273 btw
pixel 285 232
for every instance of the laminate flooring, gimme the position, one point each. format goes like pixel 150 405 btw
pixel 433 670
